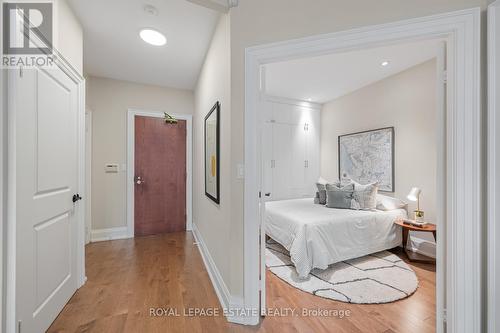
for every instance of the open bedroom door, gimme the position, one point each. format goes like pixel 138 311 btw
pixel 493 194
pixel 265 186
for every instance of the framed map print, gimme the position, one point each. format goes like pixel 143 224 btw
pixel 368 157
pixel 212 144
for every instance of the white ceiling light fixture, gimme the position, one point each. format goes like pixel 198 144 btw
pixel 153 37
pixel 384 63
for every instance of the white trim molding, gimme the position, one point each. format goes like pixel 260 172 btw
pixel 101 235
pixel 131 159
pixel 493 180
pixel 461 272
pixel 232 306
pixel 292 101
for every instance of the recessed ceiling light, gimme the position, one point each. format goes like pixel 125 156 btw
pixel 385 63
pixel 153 37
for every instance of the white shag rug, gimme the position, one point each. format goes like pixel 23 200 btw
pixel 373 279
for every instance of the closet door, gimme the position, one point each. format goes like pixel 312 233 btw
pixel 267 158
pixel 282 160
pixel 312 148
pixel 297 147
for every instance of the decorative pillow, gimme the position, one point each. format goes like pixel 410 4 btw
pixel 365 195
pixel 322 180
pixel 339 197
pixel 387 203
pixel 316 198
pixel 321 193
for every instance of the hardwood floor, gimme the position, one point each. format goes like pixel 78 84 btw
pixel 128 277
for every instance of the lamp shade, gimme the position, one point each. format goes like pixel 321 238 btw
pixel 414 193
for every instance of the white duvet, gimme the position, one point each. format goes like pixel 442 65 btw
pixel 317 236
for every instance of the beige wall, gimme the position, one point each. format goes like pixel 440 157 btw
pixel 212 220
pixel 257 22
pixel 406 101
pixel 68 35
pixel 109 101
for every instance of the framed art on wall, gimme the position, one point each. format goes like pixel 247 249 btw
pixel 368 157
pixel 212 152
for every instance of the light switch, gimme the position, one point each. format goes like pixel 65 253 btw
pixel 111 168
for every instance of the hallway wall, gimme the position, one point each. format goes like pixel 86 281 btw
pixel 109 101
pixel 214 221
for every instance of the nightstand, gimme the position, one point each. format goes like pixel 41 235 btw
pixel 413 256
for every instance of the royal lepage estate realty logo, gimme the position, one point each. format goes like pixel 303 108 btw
pixel 27 34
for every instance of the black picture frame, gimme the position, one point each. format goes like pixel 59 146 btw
pixel 215 197
pixel 393 158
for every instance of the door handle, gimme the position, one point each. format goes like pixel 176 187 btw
pixel 139 180
pixel 76 197
pixel 268 194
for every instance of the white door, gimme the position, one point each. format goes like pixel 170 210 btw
pixel 494 167
pixel 267 159
pixel 282 161
pixel 312 154
pixel 296 146
pixel 46 108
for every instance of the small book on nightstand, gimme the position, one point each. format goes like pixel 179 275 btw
pixel 414 223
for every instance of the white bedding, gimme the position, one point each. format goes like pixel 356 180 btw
pixel 317 236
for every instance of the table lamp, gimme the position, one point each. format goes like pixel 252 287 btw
pixel 414 195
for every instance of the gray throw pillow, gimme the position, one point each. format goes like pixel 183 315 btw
pixel 322 193
pixel 339 197
pixel 316 198
pixel 365 196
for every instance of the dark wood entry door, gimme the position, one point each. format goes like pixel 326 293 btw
pixel 160 176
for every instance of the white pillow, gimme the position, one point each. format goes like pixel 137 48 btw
pixel 322 181
pixel 365 196
pixel 387 203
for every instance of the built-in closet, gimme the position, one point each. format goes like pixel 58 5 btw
pixel 291 156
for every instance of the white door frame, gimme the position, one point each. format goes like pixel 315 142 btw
pixel 88 175
pixel 10 257
pixel 493 180
pixel 463 207
pixel 131 165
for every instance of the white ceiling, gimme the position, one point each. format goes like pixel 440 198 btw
pixel 328 77
pixel 113 48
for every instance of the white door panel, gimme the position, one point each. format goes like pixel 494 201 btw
pixel 298 159
pixel 47 168
pixel 281 113
pixel 494 167
pixel 282 158
pixel 312 154
pixel 267 158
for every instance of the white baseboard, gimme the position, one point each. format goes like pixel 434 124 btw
pixel 234 308
pixel 100 235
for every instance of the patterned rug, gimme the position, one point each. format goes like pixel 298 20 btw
pixel 373 279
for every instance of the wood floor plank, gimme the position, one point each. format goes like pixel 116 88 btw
pixel 128 277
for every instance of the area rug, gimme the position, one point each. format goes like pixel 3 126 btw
pixel 377 278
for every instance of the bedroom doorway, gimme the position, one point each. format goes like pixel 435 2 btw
pixel 264 131
pixel 341 133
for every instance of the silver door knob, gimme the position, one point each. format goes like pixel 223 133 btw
pixel 139 180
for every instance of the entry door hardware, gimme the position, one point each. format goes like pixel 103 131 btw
pixel 76 197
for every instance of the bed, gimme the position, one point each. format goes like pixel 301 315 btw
pixel 317 236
